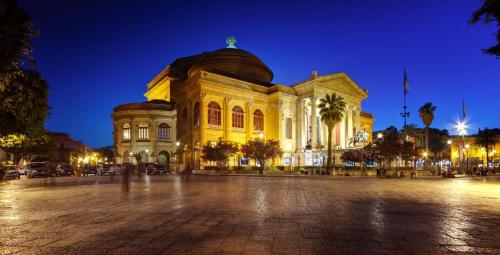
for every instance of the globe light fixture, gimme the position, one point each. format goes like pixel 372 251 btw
pixel 380 135
pixel 449 142
pixel 177 143
pixel 261 135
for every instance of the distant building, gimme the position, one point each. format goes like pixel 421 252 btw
pixel 465 149
pixel 64 146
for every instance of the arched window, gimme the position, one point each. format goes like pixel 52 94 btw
pixel 196 114
pixel 184 120
pixel 238 117
pixel 164 131
pixel 214 116
pixel 143 131
pixel 258 120
pixel 126 131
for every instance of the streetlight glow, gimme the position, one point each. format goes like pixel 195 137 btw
pixel 461 127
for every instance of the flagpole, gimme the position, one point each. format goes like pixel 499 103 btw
pixel 405 114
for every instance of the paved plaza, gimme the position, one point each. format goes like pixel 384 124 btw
pixel 249 215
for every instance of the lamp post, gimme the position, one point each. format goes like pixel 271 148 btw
pixel 467 160
pixel 449 147
pixel 177 144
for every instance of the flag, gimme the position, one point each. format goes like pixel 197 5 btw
pixel 463 110
pixel 405 83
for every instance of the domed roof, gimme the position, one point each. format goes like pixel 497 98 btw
pixel 229 62
pixel 149 105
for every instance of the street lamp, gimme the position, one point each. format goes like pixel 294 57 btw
pixel 449 147
pixel 380 136
pixel 261 135
pixel 467 151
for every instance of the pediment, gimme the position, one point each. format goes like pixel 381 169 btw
pixel 341 82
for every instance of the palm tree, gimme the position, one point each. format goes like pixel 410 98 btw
pixel 332 108
pixel 486 138
pixel 426 113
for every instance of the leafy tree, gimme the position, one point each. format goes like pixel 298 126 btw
pixel 408 151
pixel 219 151
pixel 106 152
pixel 487 138
pixel 332 108
pixel 487 13
pixel 16 33
pixel 21 145
pixel 390 146
pixel 262 151
pixel 369 153
pixel 23 93
pixel 24 105
pixel 426 113
pixel 437 142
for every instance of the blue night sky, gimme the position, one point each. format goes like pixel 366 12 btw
pixel 98 54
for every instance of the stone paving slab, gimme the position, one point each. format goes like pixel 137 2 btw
pixel 250 215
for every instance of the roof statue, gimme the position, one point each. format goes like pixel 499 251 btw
pixel 231 41
pixel 314 75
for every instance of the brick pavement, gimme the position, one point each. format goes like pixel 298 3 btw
pixel 250 215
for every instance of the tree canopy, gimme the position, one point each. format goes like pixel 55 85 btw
pixel 23 105
pixel 23 92
pixel 489 12
pixel 262 151
pixel 16 34
pixel 219 151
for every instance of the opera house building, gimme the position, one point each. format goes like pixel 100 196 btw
pixel 229 93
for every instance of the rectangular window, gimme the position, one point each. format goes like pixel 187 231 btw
pixel 288 125
pixel 164 133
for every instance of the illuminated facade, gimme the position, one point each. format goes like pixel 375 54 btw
pixel 228 94
pixel 147 129
pixel 465 148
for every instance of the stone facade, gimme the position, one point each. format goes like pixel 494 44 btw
pixel 228 94
pixel 147 129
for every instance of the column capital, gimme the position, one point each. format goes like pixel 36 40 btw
pixel 202 95
pixel 227 100
pixel 313 100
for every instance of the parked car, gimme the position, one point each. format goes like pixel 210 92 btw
pixel 11 172
pixel 107 169
pixel 89 170
pixel 64 169
pixel 157 169
pixel 23 170
pixel 41 169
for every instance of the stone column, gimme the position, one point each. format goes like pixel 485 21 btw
pixel 133 130
pixel 314 135
pixel 279 121
pixel 227 118
pixel 248 122
pixel 299 113
pixel 358 120
pixel 349 122
pixel 203 118
pixel 153 133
